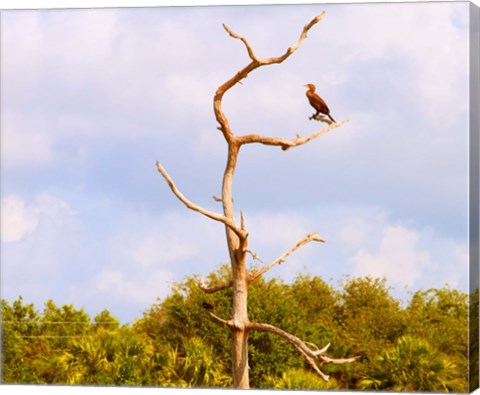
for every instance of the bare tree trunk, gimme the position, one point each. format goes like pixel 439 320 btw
pixel 239 329
pixel 236 249
pixel 237 236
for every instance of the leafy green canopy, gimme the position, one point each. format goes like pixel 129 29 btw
pixel 422 346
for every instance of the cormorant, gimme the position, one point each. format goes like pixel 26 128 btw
pixel 317 102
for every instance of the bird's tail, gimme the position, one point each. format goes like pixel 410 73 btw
pixel 333 120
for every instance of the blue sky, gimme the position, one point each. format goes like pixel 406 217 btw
pixel 92 98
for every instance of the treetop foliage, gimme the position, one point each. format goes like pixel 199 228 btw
pixel 422 346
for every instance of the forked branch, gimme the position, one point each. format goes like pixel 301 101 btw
pixel 217 217
pixel 307 239
pixel 313 357
pixel 244 40
pixel 255 63
pixel 288 52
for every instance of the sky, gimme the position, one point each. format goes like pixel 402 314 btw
pixel 92 98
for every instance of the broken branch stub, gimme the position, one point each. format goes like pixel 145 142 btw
pixel 212 289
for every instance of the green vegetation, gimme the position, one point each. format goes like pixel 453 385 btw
pixel 422 346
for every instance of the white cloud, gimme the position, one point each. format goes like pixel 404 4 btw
pixel 455 270
pixel 17 220
pixel 144 255
pixel 153 250
pixel 408 256
pixel 277 228
pixel 122 289
pixel 398 257
pixel 357 232
pixel 20 219
pixel 39 245
pixel 462 255
pixel 425 38
pixel 53 208
pixel 149 253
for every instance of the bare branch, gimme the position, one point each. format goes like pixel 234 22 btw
pixel 286 144
pixel 317 351
pixel 209 309
pixel 312 363
pixel 321 118
pixel 210 290
pixel 256 62
pixel 228 323
pixel 295 46
pixel 305 240
pixel 324 358
pixel 244 72
pixel 288 52
pixel 311 356
pixel 217 217
pixel 254 256
pixel 337 361
pixel 247 45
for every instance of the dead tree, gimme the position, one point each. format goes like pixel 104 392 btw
pixel 237 234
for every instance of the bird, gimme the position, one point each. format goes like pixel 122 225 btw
pixel 317 103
